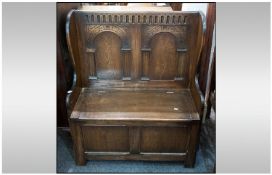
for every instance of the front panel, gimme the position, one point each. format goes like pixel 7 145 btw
pixel 126 139
pixel 105 138
pixel 164 139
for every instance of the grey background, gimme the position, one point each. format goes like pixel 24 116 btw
pixel 243 87
pixel 29 87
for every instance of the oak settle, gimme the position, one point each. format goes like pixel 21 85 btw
pixel 136 95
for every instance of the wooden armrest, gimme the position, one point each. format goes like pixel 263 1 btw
pixel 197 96
pixel 73 94
pixel 71 99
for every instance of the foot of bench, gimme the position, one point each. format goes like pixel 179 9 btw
pixel 191 154
pixel 189 162
pixel 80 161
pixel 78 147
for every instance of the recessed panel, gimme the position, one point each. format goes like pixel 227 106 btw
pixel 163 61
pixel 106 138
pixel 108 56
pixel 164 139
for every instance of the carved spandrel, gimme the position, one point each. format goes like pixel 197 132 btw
pixel 149 32
pixel 93 30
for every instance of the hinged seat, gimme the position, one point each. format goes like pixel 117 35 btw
pixel 116 104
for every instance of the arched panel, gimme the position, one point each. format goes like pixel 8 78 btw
pixel 108 56
pixel 149 31
pixel 95 30
pixel 163 60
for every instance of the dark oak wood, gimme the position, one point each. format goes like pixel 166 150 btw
pixel 134 139
pixel 106 138
pixel 64 63
pixel 78 143
pixel 192 144
pixel 164 139
pixel 136 95
pixel 62 119
pixel 111 100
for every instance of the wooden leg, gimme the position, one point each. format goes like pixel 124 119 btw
pixel 78 146
pixel 194 139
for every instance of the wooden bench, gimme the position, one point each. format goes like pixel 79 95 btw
pixel 136 96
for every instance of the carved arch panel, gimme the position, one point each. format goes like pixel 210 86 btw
pixel 121 58
pixel 163 59
pixel 108 64
pixel 164 53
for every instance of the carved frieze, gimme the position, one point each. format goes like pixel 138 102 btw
pixel 140 18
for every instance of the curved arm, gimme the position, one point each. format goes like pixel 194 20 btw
pixel 194 86
pixel 73 94
pixel 67 30
pixel 197 96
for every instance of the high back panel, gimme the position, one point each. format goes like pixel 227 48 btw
pixel 135 46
